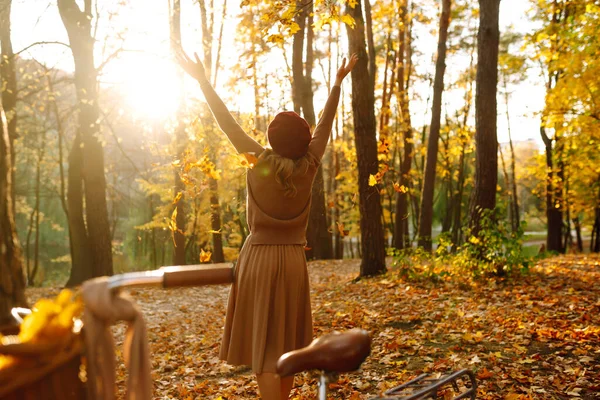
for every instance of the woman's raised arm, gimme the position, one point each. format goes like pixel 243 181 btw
pixel 318 143
pixel 242 142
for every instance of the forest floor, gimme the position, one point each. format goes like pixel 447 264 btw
pixel 532 337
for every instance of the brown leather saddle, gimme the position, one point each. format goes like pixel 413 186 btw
pixel 334 352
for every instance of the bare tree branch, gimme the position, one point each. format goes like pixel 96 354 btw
pixel 40 44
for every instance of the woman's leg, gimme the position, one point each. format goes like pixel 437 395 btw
pixel 287 384
pixel 272 387
pixel 269 386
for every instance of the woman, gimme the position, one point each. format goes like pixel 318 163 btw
pixel 268 313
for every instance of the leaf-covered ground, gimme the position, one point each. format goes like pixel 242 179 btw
pixel 537 337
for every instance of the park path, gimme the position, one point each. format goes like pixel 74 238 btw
pixel 537 337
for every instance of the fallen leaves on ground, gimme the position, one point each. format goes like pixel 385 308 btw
pixel 535 337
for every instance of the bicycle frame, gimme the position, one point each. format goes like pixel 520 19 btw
pixel 324 380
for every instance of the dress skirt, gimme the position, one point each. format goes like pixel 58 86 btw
pixel 268 312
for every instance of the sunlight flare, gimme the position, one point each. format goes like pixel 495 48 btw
pixel 152 90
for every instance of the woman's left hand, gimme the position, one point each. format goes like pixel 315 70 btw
pixel 194 68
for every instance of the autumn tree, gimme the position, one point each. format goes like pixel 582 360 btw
pixel 570 128
pixel 207 23
pixel 318 236
pixel 512 70
pixel 402 84
pixel 363 102
pixel 462 130
pixel 12 279
pixel 8 79
pixel 426 216
pixel 179 210
pixel 486 141
pixel 86 172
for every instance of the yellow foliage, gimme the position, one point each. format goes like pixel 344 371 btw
pixel 372 180
pixel 205 256
pixel 51 320
pixel 400 188
pixel 348 20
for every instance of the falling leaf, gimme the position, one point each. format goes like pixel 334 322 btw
pixel 384 146
pixel 372 180
pixel 343 232
pixel 248 160
pixel 177 198
pixel 173 221
pixel 400 188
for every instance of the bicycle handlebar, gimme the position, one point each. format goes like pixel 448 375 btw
pixel 175 276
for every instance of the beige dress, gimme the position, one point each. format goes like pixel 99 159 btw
pixel 268 312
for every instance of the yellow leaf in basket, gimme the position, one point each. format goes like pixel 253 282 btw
pixel 205 256
pixel 46 306
pixel 53 331
pixel 64 297
pixel 32 326
pixel 6 361
pixel 65 318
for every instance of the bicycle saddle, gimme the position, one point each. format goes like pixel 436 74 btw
pixel 334 352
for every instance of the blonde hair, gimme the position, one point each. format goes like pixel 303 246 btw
pixel 285 169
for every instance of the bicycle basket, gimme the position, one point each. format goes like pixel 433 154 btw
pixel 41 373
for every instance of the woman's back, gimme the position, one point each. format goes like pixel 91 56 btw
pixel 270 196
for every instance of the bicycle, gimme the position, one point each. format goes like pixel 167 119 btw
pixel 330 354
pixel 339 352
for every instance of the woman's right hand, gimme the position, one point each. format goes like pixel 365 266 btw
pixel 194 68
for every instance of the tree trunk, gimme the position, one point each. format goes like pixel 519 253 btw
pixel 595 242
pixel 508 191
pixel 215 206
pixel 338 244
pixel 553 206
pixel 447 221
pixel 8 85
pixel 181 143
pixel 515 198
pixel 568 238
pixel 401 231
pixel 81 256
pixel 318 236
pixel 153 254
pixel 486 138
pixel 78 26
pixel 215 220
pixel 370 44
pixel 60 131
pixel 338 238
pixel 577 224
pixel 385 109
pixel 28 246
pixel 363 103
pixel 36 223
pixel 12 279
pixel 36 250
pixel 426 217
pixel 458 199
